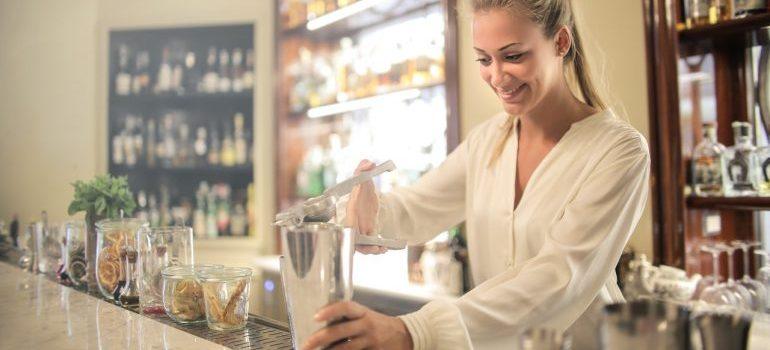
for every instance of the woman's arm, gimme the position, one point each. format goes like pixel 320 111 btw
pixel 556 286
pixel 417 212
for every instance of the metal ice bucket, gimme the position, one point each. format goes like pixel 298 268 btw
pixel 316 269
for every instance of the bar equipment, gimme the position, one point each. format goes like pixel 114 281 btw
pixel 317 255
pixel 644 324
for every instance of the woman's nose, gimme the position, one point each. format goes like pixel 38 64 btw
pixel 498 76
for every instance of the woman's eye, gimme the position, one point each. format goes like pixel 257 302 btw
pixel 514 58
pixel 484 61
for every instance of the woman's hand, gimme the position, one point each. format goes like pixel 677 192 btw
pixel 363 329
pixel 362 209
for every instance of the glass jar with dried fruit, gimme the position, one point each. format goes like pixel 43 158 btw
pixel 226 296
pixel 112 235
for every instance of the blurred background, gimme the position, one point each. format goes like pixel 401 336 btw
pixel 223 113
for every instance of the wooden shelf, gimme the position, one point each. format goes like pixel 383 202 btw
pixel 729 203
pixel 366 19
pixel 245 96
pixel 743 25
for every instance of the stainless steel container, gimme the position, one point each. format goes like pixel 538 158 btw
pixel 714 330
pixel 316 269
pixel 645 324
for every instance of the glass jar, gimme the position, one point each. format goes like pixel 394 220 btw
pixel 49 248
pixel 159 248
pixel 74 269
pixel 112 237
pixel 226 296
pixel 183 294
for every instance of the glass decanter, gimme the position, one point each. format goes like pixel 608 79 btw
pixel 707 163
pixel 740 163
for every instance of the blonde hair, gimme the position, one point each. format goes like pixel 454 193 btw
pixel 551 15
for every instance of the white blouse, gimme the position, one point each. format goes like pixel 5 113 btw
pixel 542 264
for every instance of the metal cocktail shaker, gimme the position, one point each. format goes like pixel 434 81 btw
pixel 316 270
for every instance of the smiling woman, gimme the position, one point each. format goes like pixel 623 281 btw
pixel 542 250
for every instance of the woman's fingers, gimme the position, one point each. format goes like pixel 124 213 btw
pixel 353 326
pixel 344 309
pixel 364 165
pixel 352 344
pixel 371 249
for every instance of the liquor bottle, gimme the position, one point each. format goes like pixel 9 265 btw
pixel 228 148
pixel 201 147
pixel 199 217
pixel 151 147
pixel 141 79
pixel 237 70
pixel 740 163
pixel 214 150
pixel 223 208
pixel 165 78
pixel 123 78
pixel 141 201
pixel 238 220
pixel 154 212
pixel 177 72
pixel 707 163
pixel 721 10
pixel 241 147
pixel 225 82
pixel 192 74
pixel 696 12
pixel 184 156
pixel 211 213
pixel 211 77
pixel 117 149
pixel 748 7
pixel 248 73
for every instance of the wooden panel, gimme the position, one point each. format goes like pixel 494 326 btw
pixel 667 165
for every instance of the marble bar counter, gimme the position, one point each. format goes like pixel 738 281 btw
pixel 37 313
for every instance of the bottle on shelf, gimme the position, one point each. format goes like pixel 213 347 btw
pixel 192 74
pixel 123 77
pixel 151 144
pixel 177 72
pixel 199 216
pixel 141 78
pixel 696 12
pixel 707 163
pixel 763 170
pixel 740 163
pixel 248 73
pixel 748 7
pixel 210 82
pixel 237 70
pixel 241 146
pixel 164 79
pixel 721 10
pixel 225 82
pixel 228 148
pixel 223 208
pixel 201 146
pixel 214 149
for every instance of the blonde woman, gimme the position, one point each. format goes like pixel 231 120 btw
pixel 550 192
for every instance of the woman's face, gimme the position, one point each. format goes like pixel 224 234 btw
pixel 516 59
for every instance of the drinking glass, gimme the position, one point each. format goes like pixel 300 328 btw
pixel 742 294
pixel 160 247
pixel 763 274
pixel 715 293
pixel 756 289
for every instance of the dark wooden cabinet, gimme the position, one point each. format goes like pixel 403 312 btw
pixel 702 73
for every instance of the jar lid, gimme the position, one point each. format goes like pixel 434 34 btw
pixel 224 273
pixel 187 271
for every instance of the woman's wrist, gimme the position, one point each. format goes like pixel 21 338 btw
pixel 405 338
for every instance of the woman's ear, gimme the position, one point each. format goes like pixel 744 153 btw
pixel 563 40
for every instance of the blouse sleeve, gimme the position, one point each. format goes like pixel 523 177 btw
pixel 557 285
pixel 434 203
